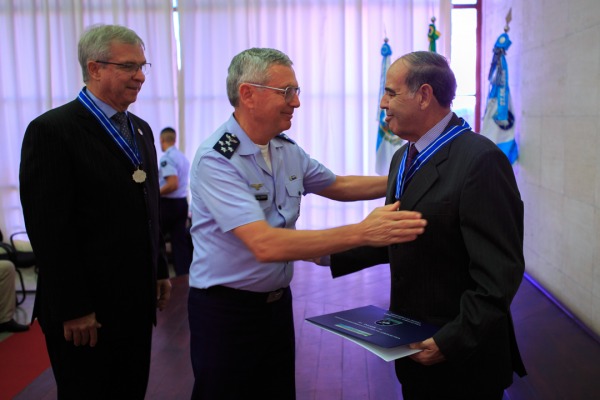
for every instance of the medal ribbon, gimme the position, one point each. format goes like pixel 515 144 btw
pixel 424 156
pixel 132 154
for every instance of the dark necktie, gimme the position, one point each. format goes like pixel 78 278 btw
pixel 410 158
pixel 412 154
pixel 122 123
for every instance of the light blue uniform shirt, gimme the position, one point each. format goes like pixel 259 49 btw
pixel 231 192
pixel 174 162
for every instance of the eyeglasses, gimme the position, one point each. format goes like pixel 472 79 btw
pixel 129 67
pixel 288 92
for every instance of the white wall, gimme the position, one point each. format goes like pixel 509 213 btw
pixel 554 77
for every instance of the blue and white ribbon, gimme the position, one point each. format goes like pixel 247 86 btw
pixel 424 156
pixel 132 153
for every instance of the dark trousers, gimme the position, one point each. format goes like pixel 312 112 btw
pixel 173 221
pixel 242 346
pixel 116 368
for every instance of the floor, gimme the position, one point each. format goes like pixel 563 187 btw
pixel 563 360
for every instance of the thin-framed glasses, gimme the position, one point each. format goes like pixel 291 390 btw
pixel 288 92
pixel 129 67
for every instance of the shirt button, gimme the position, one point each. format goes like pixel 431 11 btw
pixel 279 207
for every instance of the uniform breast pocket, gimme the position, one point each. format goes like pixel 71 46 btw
pixel 294 189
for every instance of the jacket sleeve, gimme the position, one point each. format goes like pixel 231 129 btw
pixel 357 259
pixel 48 198
pixel 491 223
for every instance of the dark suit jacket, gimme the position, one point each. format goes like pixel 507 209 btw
pixel 94 231
pixel 464 270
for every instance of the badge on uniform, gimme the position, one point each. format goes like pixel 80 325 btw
pixel 163 164
pixel 256 186
pixel 261 197
pixel 227 144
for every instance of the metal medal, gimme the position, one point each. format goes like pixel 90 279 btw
pixel 139 176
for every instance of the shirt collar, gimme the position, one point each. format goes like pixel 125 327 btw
pixel 433 133
pixel 106 109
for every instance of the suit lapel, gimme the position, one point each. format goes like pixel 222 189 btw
pixel 140 139
pixel 424 179
pixel 427 175
pixel 95 129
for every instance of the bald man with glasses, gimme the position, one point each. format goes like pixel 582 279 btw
pixel 247 180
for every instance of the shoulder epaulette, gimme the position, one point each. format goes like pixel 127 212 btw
pixel 285 137
pixel 227 144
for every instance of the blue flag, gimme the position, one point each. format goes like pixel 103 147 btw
pixel 387 142
pixel 498 119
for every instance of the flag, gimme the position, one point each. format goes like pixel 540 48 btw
pixel 433 35
pixel 498 119
pixel 387 142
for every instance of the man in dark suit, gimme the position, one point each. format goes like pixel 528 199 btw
pixel 90 196
pixel 464 270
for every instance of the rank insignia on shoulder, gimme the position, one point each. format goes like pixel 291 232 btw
pixel 227 144
pixel 163 164
pixel 285 137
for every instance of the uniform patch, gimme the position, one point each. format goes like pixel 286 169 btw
pixel 285 137
pixel 163 164
pixel 227 144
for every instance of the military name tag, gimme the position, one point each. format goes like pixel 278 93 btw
pixel 139 176
pixel 261 197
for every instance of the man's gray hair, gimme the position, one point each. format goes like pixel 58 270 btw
pixel 95 43
pixel 252 66
pixel 426 67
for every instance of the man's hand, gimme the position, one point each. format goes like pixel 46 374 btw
pixel 163 293
pixel 430 353
pixel 82 330
pixel 386 225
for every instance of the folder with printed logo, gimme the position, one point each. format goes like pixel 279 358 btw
pixel 380 331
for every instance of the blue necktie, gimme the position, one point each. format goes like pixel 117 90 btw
pixel 122 123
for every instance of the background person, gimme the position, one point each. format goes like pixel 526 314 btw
pixel 95 185
pixel 247 180
pixel 464 270
pixel 173 171
pixel 8 299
